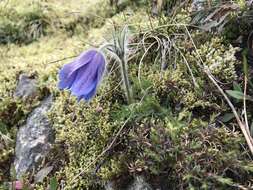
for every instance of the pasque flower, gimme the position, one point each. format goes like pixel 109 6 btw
pixel 83 75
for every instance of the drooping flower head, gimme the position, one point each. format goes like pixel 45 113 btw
pixel 83 75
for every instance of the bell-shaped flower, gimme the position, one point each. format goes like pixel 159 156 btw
pixel 83 75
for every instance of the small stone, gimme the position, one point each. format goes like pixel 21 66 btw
pixel 139 184
pixel 26 87
pixel 110 185
pixel 198 5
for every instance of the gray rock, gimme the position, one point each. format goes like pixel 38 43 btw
pixel 198 5
pixel 34 139
pixel 139 183
pixel 110 185
pixel 26 87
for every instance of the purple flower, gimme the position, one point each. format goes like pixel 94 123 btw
pixel 83 75
pixel 18 185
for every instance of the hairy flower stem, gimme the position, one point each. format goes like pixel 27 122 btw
pixel 124 74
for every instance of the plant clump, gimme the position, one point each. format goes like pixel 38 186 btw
pixel 172 133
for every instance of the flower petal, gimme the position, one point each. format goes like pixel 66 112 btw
pixel 91 91
pixel 65 80
pixel 89 95
pixel 83 75
pixel 67 74
pixel 84 81
pixel 87 77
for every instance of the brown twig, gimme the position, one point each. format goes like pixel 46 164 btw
pixel 241 124
pixel 245 106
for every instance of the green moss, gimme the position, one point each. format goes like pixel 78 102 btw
pixel 219 58
pixel 172 129
pixel 22 27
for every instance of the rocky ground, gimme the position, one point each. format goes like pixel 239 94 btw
pixel 179 131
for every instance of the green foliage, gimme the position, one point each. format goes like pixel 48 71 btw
pixel 238 95
pixel 53 184
pixel 173 135
pixel 22 27
pixel 29 21
pixel 219 58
